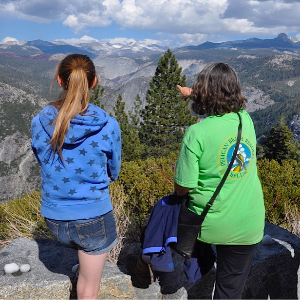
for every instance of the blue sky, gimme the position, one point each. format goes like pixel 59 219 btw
pixel 168 22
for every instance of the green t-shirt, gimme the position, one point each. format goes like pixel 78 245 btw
pixel 237 216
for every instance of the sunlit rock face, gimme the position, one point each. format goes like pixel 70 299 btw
pixel 295 126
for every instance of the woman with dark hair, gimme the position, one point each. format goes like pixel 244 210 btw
pixel 235 221
pixel 78 146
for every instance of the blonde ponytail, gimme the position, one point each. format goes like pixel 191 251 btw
pixel 77 73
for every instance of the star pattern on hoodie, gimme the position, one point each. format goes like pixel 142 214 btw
pixel 105 137
pixel 82 152
pixel 91 162
pixel 66 179
pixel 95 175
pixel 58 168
pixel 70 160
pixel 39 151
pixel 94 144
pixel 72 192
pixel 78 171
pixel 73 139
pixel 82 172
pixel 93 188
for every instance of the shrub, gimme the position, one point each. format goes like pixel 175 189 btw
pixel 145 182
pixel 119 199
pixel 281 188
pixel 21 218
pixel 142 183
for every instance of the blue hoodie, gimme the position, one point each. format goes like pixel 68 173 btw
pixel 77 187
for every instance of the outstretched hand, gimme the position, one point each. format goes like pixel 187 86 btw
pixel 184 91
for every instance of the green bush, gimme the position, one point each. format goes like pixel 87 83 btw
pixel 21 218
pixel 145 182
pixel 142 183
pixel 281 188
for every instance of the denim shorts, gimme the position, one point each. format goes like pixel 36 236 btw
pixel 93 236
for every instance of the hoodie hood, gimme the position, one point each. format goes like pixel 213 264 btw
pixel 81 126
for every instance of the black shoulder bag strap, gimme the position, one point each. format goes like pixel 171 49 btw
pixel 214 196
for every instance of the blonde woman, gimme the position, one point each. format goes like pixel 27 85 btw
pixel 78 146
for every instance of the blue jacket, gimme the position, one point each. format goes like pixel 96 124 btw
pixel 77 187
pixel 161 230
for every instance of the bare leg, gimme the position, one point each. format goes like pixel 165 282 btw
pixel 90 273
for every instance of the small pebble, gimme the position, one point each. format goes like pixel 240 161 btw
pixel 11 268
pixel 267 240
pixel 75 268
pixel 25 268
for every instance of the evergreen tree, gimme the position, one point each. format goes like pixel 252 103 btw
pixel 95 97
pixel 166 115
pixel 281 143
pixel 131 146
pixel 135 114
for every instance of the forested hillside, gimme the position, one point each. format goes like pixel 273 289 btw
pixel 270 80
pixel 278 76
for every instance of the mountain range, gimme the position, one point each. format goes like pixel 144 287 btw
pixel 281 42
pixel 269 70
pixel 134 48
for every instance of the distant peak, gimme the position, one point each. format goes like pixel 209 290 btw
pixel 283 36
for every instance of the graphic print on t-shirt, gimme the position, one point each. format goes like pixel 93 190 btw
pixel 244 158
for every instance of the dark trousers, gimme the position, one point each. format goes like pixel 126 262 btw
pixel 233 266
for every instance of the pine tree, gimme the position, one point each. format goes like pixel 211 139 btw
pixel 135 114
pixel 166 115
pixel 281 143
pixel 95 97
pixel 131 146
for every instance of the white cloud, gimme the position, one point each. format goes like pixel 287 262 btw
pixel 9 40
pixel 187 19
pixel 176 16
pixel 91 13
pixel 72 22
pixel 84 39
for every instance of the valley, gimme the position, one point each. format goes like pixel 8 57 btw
pixel 270 77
